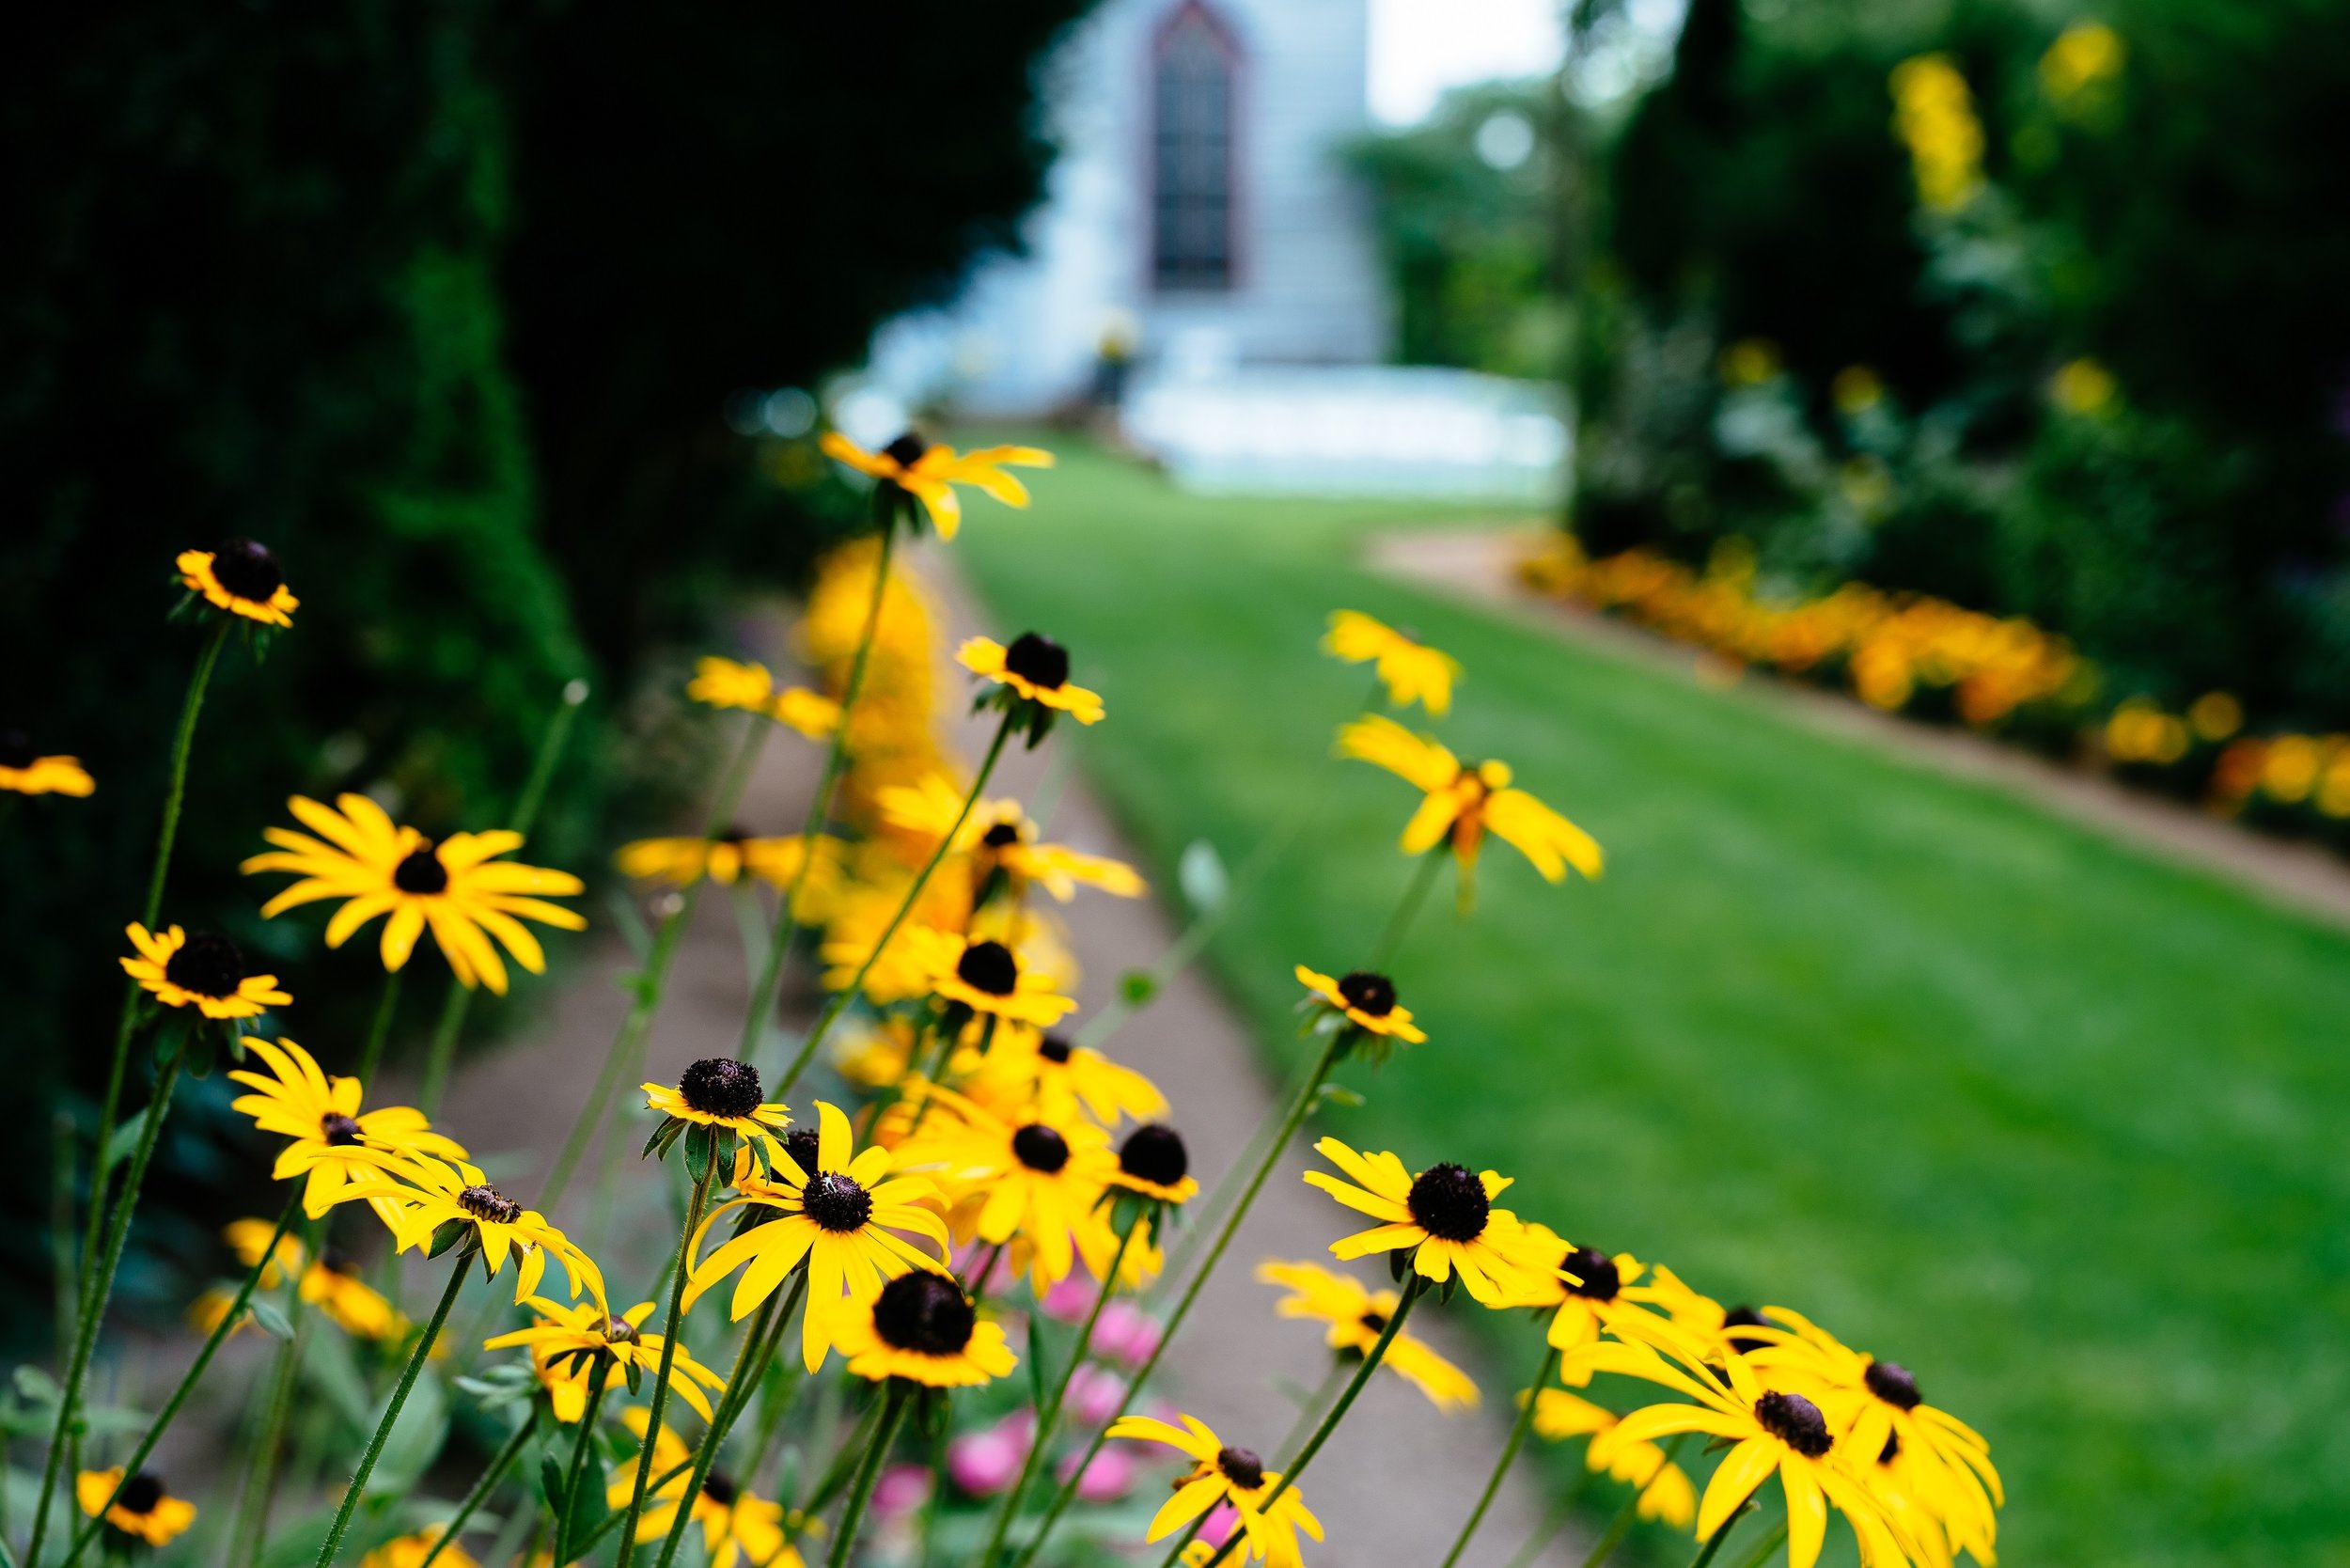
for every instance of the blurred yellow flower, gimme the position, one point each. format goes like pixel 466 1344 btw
pixel 2083 386
pixel 2085 55
pixel 1410 670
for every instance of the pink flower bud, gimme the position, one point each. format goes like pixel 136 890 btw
pixel 983 1463
pixel 1095 1394
pixel 1070 1299
pixel 1126 1333
pixel 901 1489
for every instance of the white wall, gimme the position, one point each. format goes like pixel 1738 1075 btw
pixel 1307 288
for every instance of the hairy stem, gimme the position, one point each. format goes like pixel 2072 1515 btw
pixel 358 1488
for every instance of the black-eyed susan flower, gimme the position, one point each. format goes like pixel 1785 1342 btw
pixel 1032 682
pixel 24 771
pixel 987 977
pixel 1364 1000
pixel 336 1144
pixel 920 1326
pixel 722 1097
pixel 565 1342
pixel 439 1204
pixel 1030 1182
pixel 1590 1292
pixel 332 1284
pixel 1223 1474
pixel 1443 1217
pixel 733 854
pixel 1771 1431
pixel 831 1206
pixel 735 1525
pixel 411 1550
pixel 1666 1495
pixel 1002 841
pixel 241 577
pixel 457 886
pixel 1153 1162
pixel 1715 1331
pixel 1464 802
pixel 205 971
pixel 1876 1406
pixel 1411 671
pixel 141 1509
pixel 1025 1066
pixel 929 473
pixel 751 688
pixel 1355 1317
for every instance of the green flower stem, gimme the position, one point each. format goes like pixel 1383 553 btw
pixel 770 984
pixel 1311 1410
pixel 499 1464
pixel 1431 862
pixel 102 1285
pixel 1049 1416
pixel 852 1514
pixel 1290 1120
pixel 1621 1525
pixel 577 1470
pixel 669 1358
pixel 250 1527
pixel 1509 1456
pixel 358 1488
pixel 1714 1541
pixel 842 998
pixel 759 1347
pixel 629 1043
pixel 175 792
pixel 1553 1522
pixel 836 1473
pixel 584 1547
pixel 443 1051
pixel 196 1371
pixel 379 1027
pixel 1413 1288
pixel 1770 1543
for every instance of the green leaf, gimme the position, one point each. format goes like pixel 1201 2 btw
pixel 551 1483
pixel 1338 1094
pixel 698 1155
pixel 272 1321
pixel 416 1438
pixel 588 1509
pixel 445 1236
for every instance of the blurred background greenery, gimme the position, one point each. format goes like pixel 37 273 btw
pixel 439 301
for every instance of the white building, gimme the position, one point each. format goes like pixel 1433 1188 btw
pixel 1200 211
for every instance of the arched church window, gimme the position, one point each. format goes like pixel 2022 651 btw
pixel 1192 79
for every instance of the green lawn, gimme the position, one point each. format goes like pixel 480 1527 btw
pixel 2058 1126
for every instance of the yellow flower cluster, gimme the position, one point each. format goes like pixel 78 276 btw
pixel 2085 58
pixel 1933 114
pixel 1889 646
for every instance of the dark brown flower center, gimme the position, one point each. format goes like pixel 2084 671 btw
pixel 1001 836
pixel 1040 1147
pixel 836 1203
pixel 801 1144
pixel 720 1086
pixel 207 965
pixel 140 1494
pixel 619 1331
pixel 989 967
pixel 1053 1048
pixel 1794 1420
pixel 719 1488
pixel 338 1129
pixel 487 1202
pixel 1370 995
pixel 906 450
pixel 1893 1383
pixel 1745 1317
pixel 1242 1467
pixel 421 872
pixel 1155 1153
pixel 247 569
pixel 1892 1449
pixel 16 750
pixel 1375 1322
pixel 1450 1201
pixel 1601 1278
pixel 1037 660
pixel 924 1313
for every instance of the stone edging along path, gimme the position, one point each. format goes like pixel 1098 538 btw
pixel 1478 566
